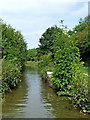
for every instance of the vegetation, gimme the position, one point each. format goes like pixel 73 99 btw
pixel 47 39
pixel 13 45
pixel 82 38
pixel 45 64
pixel 10 75
pixel 32 55
pixel 14 54
pixel 65 53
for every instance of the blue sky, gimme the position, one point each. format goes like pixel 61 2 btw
pixel 33 17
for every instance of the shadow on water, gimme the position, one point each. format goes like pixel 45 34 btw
pixel 34 99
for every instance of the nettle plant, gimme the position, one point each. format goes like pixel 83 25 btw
pixel 67 63
pixel 66 60
pixel 68 78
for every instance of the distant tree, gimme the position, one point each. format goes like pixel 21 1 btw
pixel 47 39
pixel 82 38
pixel 32 54
pixel 83 23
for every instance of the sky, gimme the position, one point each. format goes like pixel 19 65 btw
pixel 33 17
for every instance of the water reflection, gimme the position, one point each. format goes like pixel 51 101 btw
pixel 61 107
pixel 34 99
pixel 15 101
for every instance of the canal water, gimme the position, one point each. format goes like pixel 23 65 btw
pixel 35 99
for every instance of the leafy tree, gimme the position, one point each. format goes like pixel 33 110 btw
pixel 32 54
pixel 66 59
pixel 47 39
pixel 83 23
pixel 14 53
pixel 67 48
pixel 82 37
pixel 83 44
pixel 13 45
pixel 68 78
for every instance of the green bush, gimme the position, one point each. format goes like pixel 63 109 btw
pixel 32 55
pixel 67 50
pixel 45 60
pixel 10 75
pixel 14 56
pixel 67 62
pixel 13 45
pixel 80 92
pixel 68 78
pixel 45 64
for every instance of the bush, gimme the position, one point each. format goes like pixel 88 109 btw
pixel 68 78
pixel 67 62
pixel 13 45
pixel 10 75
pixel 32 55
pixel 14 53
pixel 67 49
pixel 45 64
pixel 45 60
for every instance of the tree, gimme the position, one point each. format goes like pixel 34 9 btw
pixel 14 53
pixel 47 39
pixel 13 45
pixel 32 54
pixel 82 36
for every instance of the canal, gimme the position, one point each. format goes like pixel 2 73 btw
pixel 35 99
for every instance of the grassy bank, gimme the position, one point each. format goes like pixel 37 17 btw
pixel 78 90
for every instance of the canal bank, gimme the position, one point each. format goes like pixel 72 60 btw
pixel 35 99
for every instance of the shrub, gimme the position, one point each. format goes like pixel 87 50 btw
pixel 68 78
pixel 10 75
pixel 45 64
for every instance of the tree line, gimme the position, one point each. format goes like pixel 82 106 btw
pixel 13 56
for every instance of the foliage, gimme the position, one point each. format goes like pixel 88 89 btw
pixel 80 92
pixel 45 59
pixel 67 62
pixel 14 54
pixel 47 39
pixel 32 55
pixel 45 64
pixel 67 49
pixel 86 69
pixel 10 75
pixel 83 23
pixel 39 53
pixel 13 44
pixel 82 38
